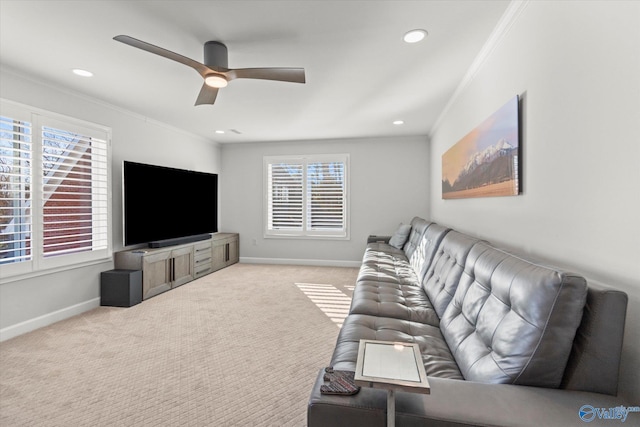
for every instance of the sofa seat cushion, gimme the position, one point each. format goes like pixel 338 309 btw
pixel 511 320
pixel 384 263
pixel 382 253
pixel 384 299
pixel 400 273
pixel 438 360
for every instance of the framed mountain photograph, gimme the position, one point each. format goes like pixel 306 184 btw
pixel 485 163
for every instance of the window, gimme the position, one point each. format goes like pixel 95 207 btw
pixel 53 191
pixel 15 190
pixel 306 196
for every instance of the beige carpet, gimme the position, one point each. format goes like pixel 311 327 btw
pixel 239 347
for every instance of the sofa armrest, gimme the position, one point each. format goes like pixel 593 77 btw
pixel 378 239
pixel 462 403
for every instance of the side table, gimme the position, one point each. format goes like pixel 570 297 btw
pixel 394 366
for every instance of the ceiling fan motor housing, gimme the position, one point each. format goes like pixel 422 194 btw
pixel 216 55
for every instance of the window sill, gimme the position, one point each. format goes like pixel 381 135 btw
pixel 305 237
pixel 32 274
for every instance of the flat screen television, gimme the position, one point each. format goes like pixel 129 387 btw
pixel 164 206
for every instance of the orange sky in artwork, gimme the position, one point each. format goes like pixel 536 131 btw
pixel 456 157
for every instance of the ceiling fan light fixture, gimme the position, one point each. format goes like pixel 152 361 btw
pixel 414 36
pixel 215 80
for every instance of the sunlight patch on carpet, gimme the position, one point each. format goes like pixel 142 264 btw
pixel 332 301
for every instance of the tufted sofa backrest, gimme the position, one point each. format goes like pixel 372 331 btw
pixel 418 227
pixel 511 320
pixel 423 255
pixel 443 275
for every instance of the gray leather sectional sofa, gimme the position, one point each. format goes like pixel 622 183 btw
pixel 505 340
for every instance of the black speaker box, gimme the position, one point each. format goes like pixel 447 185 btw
pixel 121 288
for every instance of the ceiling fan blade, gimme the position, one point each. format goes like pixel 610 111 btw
pixel 202 69
pixel 207 95
pixel 293 75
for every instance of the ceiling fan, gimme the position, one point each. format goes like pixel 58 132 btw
pixel 214 70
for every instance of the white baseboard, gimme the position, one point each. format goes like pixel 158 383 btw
pixel 47 319
pixel 312 262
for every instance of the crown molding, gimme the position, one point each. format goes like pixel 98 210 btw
pixel 505 23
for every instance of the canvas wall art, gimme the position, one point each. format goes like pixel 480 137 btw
pixel 485 163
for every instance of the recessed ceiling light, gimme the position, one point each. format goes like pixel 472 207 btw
pixel 398 122
pixel 220 131
pixel 83 73
pixel 414 36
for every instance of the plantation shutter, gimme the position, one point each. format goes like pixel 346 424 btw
pixel 325 196
pixel 15 190
pixel 54 191
pixel 74 192
pixel 285 201
pixel 306 196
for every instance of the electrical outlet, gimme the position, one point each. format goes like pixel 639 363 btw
pixel 254 242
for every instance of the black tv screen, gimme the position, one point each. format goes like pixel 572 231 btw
pixel 162 203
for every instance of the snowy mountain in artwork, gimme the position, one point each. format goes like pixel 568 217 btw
pixel 488 155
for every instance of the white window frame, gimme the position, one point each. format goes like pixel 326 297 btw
pixel 306 232
pixel 39 263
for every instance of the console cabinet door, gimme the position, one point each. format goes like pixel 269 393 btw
pixel 219 255
pixel 182 266
pixel 156 277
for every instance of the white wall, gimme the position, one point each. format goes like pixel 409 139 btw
pixel 38 301
pixel 388 185
pixel 577 67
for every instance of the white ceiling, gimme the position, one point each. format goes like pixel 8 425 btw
pixel 360 75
